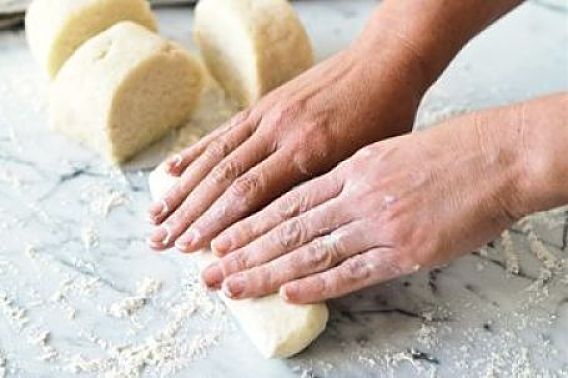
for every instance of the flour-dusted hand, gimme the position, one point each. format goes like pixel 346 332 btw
pixel 398 205
pixel 366 93
pixel 298 131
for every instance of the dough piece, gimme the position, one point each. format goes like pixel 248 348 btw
pixel 251 46
pixel 278 329
pixel 56 28
pixel 123 90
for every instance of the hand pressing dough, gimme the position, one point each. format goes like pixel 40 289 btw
pixel 56 28
pixel 251 46
pixel 124 89
pixel 278 329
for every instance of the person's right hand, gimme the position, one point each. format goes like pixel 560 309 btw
pixel 300 130
pixel 398 205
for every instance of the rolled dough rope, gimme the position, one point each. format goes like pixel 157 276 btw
pixel 251 46
pixel 124 89
pixel 278 329
pixel 56 28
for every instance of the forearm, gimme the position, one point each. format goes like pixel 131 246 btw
pixel 529 141
pixel 428 33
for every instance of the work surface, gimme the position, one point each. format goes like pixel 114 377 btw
pixel 80 293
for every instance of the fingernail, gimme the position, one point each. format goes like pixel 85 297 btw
pixel 221 245
pixel 213 276
pixel 188 241
pixel 175 161
pixel 161 237
pixel 158 209
pixel 234 286
pixel 287 291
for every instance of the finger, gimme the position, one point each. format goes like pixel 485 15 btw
pixel 291 204
pixel 320 255
pixel 175 165
pixel 248 193
pixel 200 199
pixel 215 152
pixel 278 242
pixel 366 269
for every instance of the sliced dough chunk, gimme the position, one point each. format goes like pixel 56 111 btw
pixel 251 46
pixel 56 28
pixel 124 89
pixel 277 328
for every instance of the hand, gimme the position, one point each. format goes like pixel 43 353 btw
pixel 394 207
pixel 298 131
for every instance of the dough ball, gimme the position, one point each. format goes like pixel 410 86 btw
pixel 56 28
pixel 124 89
pixel 251 46
pixel 278 329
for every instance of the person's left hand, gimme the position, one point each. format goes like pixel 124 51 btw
pixel 395 206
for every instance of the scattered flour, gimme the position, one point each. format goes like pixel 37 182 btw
pixel 165 351
pixel 130 305
pixel 511 257
pixel 90 237
pixel 2 364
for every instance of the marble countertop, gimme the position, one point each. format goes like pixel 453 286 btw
pixel 81 294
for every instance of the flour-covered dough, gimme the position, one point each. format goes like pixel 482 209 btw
pixel 124 89
pixel 251 46
pixel 56 28
pixel 278 329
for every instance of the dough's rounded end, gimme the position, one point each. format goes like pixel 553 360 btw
pixel 251 46
pixel 56 28
pixel 124 89
pixel 307 328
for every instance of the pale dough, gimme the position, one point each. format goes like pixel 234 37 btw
pixel 56 28
pixel 251 46
pixel 124 89
pixel 278 329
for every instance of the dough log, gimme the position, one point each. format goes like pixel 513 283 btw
pixel 56 28
pixel 124 89
pixel 251 46
pixel 278 329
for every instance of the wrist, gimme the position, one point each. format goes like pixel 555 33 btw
pixel 529 141
pixel 543 146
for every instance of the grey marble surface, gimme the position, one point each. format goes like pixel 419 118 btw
pixel 81 294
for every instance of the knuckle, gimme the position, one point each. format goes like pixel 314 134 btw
pixel 308 160
pixel 225 172
pixel 246 186
pixel 240 117
pixel 234 262
pixel 356 270
pixel 268 278
pixel 323 254
pixel 291 234
pixel 280 115
pixel 291 206
pixel 325 284
pixel 217 149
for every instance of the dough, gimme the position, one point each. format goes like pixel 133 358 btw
pixel 56 28
pixel 278 329
pixel 124 89
pixel 251 46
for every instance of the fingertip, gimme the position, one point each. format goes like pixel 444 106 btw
pixel 234 286
pixel 189 241
pixel 212 276
pixel 289 293
pixel 221 245
pixel 173 164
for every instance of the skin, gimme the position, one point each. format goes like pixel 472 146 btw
pixel 416 201
pixel 363 222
